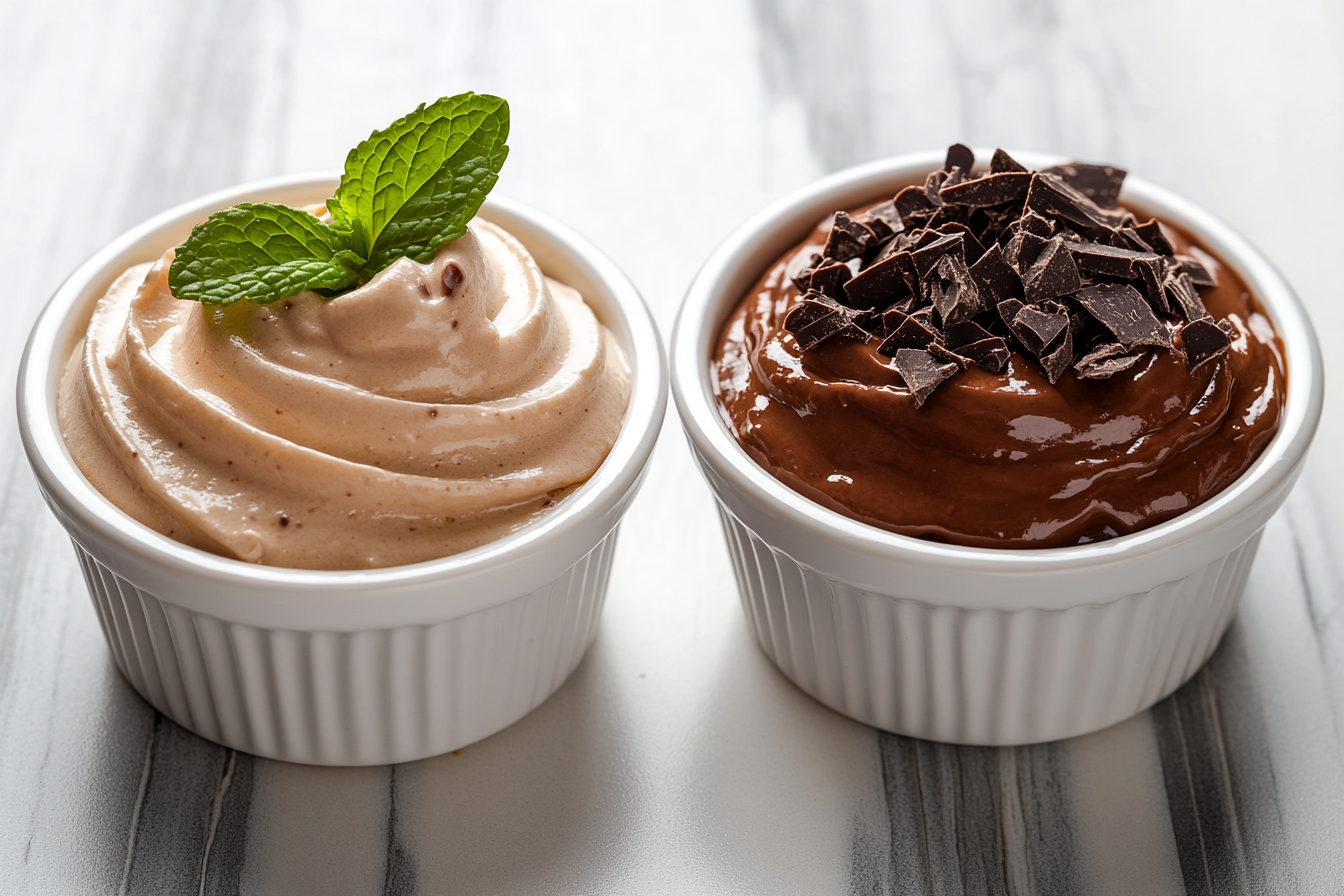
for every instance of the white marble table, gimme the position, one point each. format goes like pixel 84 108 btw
pixel 677 760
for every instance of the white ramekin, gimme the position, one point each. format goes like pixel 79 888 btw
pixel 976 645
pixel 350 667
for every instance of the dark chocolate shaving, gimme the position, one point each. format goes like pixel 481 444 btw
pixel 1125 313
pixel 1105 361
pixel 1200 274
pixel 830 278
pixel 911 332
pixel 1204 340
pixel 959 155
pixel 922 372
pixel 1100 183
pixel 876 286
pixel 1052 274
pixel 1152 234
pixel 993 189
pixel 1002 162
pixel 933 184
pixel 1183 295
pixel 848 238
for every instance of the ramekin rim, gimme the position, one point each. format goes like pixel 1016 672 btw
pixel 693 338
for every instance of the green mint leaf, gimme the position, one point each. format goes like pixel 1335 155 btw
pixel 416 184
pixel 262 252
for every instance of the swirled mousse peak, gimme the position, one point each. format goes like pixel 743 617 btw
pixel 436 404
pixel 1001 357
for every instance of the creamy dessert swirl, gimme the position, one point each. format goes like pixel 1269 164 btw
pixel 432 410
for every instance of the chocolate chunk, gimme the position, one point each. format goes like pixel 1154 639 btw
pixel 995 278
pixel 803 279
pixel 894 316
pixel 962 301
pixel 1036 329
pixel 1034 223
pixel 990 354
pixel 927 257
pixel 932 185
pixel 943 353
pixel 1023 250
pixel 991 190
pixel 848 238
pixel 1105 361
pixel 1109 260
pixel 922 372
pixel 913 203
pixel 830 278
pixel 1100 183
pixel 1051 196
pixel 1052 274
pixel 954 176
pixel 880 226
pixel 1204 340
pixel 964 334
pixel 813 322
pixel 1156 238
pixel 1002 162
pixel 1125 313
pixel 973 248
pixel 876 286
pixel 1128 238
pixel 1008 309
pixel 959 155
pixel 1183 295
pixel 1058 357
pixel 1200 274
pixel 1150 277
pixel 911 332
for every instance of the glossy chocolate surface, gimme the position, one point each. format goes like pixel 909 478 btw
pixel 997 460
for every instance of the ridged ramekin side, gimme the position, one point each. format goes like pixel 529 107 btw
pixel 981 676
pixel 352 697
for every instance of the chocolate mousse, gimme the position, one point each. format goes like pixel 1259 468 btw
pixel 1002 358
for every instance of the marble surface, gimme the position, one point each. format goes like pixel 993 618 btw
pixel 677 760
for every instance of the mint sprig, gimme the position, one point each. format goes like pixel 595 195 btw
pixel 406 190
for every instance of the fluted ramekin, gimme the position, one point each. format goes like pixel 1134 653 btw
pixel 977 645
pixel 347 667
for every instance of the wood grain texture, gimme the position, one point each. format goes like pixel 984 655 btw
pixel 677 759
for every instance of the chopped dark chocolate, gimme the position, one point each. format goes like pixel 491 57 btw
pixel 848 238
pixel 1057 357
pixel 812 322
pixel 1152 234
pixel 959 155
pixel 1052 274
pixel 990 190
pixel 1034 223
pixel 913 203
pixel 964 334
pixel 1150 278
pixel 877 286
pixel 1100 183
pixel 1200 273
pixel 1125 313
pixel 927 257
pixel 995 278
pixel 1002 162
pixel 922 372
pixel 932 184
pixel 1183 295
pixel 1051 196
pixel 1036 329
pixel 973 248
pixel 830 278
pixel 803 279
pixel 962 300
pixel 1203 340
pixel 911 332
pixel 943 353
pixel 990 354
pixel 1023 250
pixel 1105 361
pixel 1109 260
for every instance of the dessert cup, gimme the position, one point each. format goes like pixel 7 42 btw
pixel 347 667
pixel 979 645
